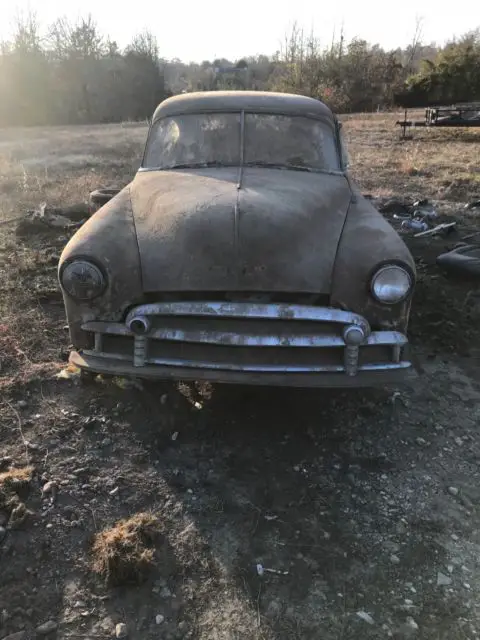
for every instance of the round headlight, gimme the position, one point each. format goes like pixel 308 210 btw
pixel 391 284
pixel 83 280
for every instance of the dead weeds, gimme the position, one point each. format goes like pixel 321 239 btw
pixel 14 487
pixel 60 167
pixel 422 165
pixel 16 479
pixel 124 553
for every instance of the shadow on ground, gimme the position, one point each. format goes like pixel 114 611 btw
pixel 298 481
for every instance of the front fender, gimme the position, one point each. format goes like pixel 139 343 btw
pixel 109 239
pixel 367 241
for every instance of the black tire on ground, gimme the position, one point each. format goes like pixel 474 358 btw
pixel 462 261
pixel 99 197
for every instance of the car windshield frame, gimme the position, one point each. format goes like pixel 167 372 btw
pixel 330 128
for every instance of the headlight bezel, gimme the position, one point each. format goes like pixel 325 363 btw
pixel 98 268
pixel 384 266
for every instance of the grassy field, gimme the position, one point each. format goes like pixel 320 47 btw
pixel 152 506
pixel 436 164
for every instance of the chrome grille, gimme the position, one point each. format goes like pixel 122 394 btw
pixel 250 337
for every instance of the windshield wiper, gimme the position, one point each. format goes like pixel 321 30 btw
pixel 195 165
pixel 206 165
pixel 274 165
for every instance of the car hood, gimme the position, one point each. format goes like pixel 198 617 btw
pixel 197 230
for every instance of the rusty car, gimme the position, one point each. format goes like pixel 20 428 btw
pixel 242 251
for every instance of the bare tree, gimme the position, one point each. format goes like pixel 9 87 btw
pixel 76 74
pixel 414 49
pixel 144 76
pixel 145 44
pixel 81 40
pixel 26 37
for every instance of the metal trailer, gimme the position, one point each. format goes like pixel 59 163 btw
pixel 460 115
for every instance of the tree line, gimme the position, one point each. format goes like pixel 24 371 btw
pixel 72 74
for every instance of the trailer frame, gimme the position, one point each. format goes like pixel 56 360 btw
pixel 445 117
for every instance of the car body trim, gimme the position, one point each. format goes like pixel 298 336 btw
pixel 269 311
pixel 233 339
pixel 250 368
pixel 273 334
pixel 89 364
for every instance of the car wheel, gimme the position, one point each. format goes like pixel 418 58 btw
pixel 99 197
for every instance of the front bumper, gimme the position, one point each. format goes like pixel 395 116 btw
pixel 247 343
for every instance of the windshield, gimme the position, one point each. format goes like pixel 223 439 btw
pixel 215 139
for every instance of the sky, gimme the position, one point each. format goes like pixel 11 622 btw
pixel 193 30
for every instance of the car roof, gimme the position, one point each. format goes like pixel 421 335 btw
pixel 253 101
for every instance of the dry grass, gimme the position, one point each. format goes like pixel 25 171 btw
pixel 428 165
pixel 125 552
pixel 14 480
pixel 59 166
pixel 27 339
pixel 14 485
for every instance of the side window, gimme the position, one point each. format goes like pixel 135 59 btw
pixel 343 147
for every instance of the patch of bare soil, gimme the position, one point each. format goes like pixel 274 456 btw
pixel 191 511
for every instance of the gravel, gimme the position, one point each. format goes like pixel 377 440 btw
pixel 19 635
pixel 46 628
pixel 443 580
pixel 366 617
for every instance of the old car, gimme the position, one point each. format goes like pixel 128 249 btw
pixel 242 252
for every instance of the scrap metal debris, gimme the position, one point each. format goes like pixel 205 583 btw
pixel 414 225
pixel 68 217
pixel 440 227
pixel 47 217
pixel 471 235
pixel 473 205
pixel 418 219
pixel 366 617
pixel 261 571
pixel 424 209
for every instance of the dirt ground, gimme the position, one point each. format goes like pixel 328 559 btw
pixel 366 504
